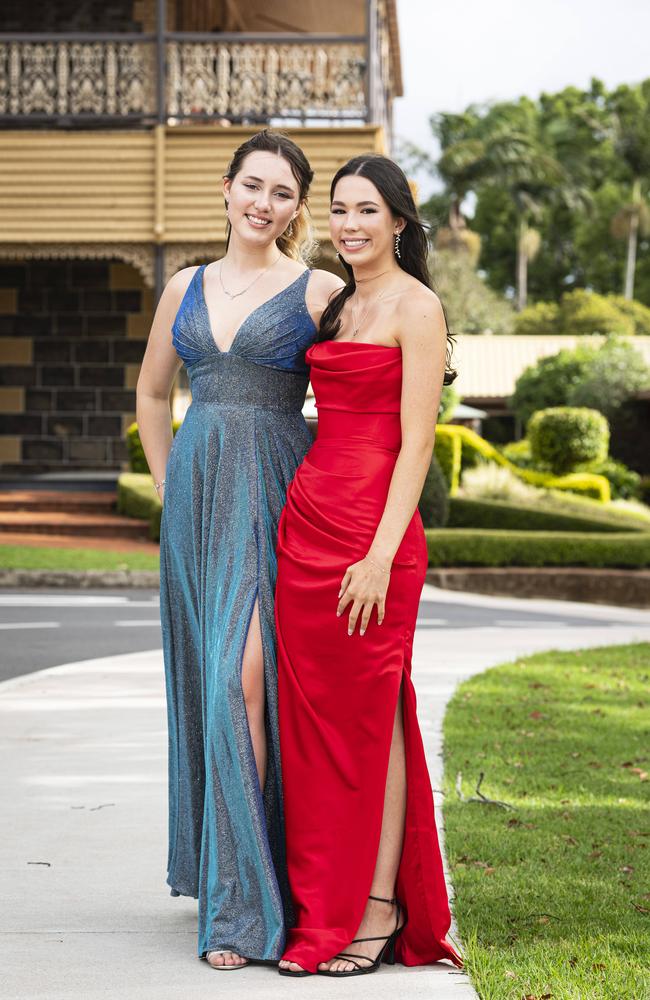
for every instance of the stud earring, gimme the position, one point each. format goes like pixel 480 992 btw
pixel 398 237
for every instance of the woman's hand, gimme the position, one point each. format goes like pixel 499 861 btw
pixel 365 583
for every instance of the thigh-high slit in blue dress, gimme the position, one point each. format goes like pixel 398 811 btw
pixel 227 475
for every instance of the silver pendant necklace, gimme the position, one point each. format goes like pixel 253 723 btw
pixel 235 295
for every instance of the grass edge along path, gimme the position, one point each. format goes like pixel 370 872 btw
pixel 81 559
pixel 552 898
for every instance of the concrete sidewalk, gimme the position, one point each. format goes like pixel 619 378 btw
pixel 85 913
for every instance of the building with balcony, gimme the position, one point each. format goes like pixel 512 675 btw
pixel 117 121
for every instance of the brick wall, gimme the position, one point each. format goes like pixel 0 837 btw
pixel 72 336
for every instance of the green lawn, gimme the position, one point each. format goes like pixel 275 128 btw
pixel 553 899
pixel 18 557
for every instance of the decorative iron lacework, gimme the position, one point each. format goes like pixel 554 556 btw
pixel 239 81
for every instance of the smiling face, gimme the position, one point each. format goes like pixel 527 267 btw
pixel 362 225
pixel 262 198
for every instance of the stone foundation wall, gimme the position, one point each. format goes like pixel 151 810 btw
pixel 72 336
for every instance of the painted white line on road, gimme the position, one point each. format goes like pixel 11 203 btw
pixel 30 625
pixel 71 601
pixel 136 622
pixel 534 623
pixel 432 621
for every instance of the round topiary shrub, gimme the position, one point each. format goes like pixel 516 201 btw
pixel 434 502
pixel 563 438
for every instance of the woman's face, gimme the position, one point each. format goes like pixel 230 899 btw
pixel 262 198
pixel 362 225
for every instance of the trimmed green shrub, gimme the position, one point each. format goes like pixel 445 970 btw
pixel 625 484
pixel 447 449
pixel 136 497
pixel 434 502
pixel 467 513
pixel 540 319
pixel 137 461
pixel 465 547
pixel 562 438
pixel 549 382
pixel 518 452
pixel 636 311
pixel 583 312
pixel 610 376
pixel 449 456
pixel 644 489
pixel 449 400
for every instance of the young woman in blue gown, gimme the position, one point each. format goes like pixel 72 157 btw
pixel 241 326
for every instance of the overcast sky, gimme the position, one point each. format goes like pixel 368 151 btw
pixel 458 53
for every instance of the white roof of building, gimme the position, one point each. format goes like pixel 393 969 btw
pixel 488 365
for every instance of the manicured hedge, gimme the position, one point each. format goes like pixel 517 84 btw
pixel 466 513
pixel 452 438
pixel 434 502
pixel 447 449
pixel 136 497
pixel 137 460
pixel 465 547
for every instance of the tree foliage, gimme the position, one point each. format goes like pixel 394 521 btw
pixel 575 166
pixel 603 378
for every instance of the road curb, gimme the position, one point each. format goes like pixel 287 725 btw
pixel 78 579
pixel 621 587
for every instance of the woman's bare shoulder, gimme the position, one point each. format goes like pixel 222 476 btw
pixel 324 283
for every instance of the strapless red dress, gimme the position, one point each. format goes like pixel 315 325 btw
pixel 338 693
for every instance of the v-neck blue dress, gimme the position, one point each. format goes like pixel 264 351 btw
pixel 230 464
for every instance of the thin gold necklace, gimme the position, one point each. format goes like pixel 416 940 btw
pixel 356 324
pixel 373 277
pixel 235 295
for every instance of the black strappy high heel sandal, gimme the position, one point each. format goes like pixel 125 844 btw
pixel 294 973
pixel 387 953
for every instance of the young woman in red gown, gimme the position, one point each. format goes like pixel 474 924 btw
pixel 363 858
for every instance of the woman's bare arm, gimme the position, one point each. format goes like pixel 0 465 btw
pixel 423 345
pixel 157 373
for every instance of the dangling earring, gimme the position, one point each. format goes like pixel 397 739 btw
pixel 289 230
pixel 398 237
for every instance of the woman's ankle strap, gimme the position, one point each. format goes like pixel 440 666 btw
pixel 382 899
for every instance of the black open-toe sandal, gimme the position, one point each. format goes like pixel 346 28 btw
pixel 292 972
pixel 387 953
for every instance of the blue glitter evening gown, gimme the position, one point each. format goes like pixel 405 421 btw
pixel 227 475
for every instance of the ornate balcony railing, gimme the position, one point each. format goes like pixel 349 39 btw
pixel 148 78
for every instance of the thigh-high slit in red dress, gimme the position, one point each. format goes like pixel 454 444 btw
pixel 337 693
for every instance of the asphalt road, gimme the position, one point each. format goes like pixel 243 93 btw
pixel 46 628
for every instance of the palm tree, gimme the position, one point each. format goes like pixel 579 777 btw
pixel 630 107
pixel 507 151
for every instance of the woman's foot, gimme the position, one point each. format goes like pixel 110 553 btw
pixel 289 966
pixel 378 921
pixel 225 960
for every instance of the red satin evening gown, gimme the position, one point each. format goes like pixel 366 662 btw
pixel 338 693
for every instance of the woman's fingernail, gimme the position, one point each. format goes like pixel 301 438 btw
pixel 338 614
pixel 362 631
pixel 349 631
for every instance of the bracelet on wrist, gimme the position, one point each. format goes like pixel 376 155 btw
pixel 377 566
pixel 159 486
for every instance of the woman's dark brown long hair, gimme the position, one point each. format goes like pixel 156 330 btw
pixel 394 188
